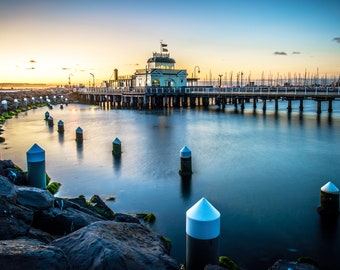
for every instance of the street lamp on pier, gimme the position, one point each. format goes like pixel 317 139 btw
pixel 69 80
pixel 220 75
pixel 92 79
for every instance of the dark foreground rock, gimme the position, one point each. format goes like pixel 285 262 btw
pixel 41 231
pixel 31 254
pixel 114 245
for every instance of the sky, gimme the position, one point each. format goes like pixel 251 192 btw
pixel 50 41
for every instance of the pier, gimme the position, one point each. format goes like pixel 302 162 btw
pixel 176 97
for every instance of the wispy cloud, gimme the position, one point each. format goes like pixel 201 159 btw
pixel 280 53
pixel 30 68
pixel 65 68
pixel 32 61
pixel 296 53
pixel 336 39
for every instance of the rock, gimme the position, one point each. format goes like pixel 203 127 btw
pixel 97 204
pixel 40 235
pixel 70 203
pixel 61 222
pixel 284 265
pixel 7 189
pixel 15 220
pixel 34 198
pixel 16 176
pixel 119 217
pixel 114 245
pixel 31 254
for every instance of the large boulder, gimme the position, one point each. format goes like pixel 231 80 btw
pixel 15 220
pixel 31 254
pixel 7 189
pixel 61 222
pixel 34 198
pixel 115 245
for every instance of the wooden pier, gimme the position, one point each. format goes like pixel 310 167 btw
pixel 168 97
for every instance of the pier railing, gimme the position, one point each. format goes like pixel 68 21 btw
pixel 287 91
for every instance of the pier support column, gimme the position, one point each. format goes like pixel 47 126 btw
pixel 276 104
pixel 242 104
pixel 264 107
pixel 289 108
pixel 301 105
pixel 330 107
pixel 254 103
pixel 202 235
pixel 318 110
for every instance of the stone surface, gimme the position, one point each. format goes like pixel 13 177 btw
pixel 15 220
pixel 61 222
pixel 34 198
pixel 115 245
pixel 31 254
pixel 7 189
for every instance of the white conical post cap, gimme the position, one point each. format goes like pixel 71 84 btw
pixel 203 220
pixel 35 154
pixel 330 188
pixel 116 141
pixel 185 152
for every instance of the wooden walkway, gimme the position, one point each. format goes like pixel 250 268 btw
pixel 159 97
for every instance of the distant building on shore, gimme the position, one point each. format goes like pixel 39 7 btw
pixel 159 72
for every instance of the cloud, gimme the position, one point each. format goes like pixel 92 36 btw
pixel 65 68
pixel 32 61
pixel 296 53
pixel 336 39
pixel 280 53
pixel 30 68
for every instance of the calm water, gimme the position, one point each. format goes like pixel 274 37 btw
pixel 263 172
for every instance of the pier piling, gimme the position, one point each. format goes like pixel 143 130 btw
pixel 36 172
pixel 186 165
pixel 202 235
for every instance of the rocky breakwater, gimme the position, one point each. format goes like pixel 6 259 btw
pixel 22 99
pixel 41 231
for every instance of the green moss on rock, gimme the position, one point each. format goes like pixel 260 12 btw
pixel 147 217
pixel 226 262
pixel 53 187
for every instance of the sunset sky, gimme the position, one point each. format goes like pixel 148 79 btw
pixel 44 41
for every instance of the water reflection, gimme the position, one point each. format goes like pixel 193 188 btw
pixel 61 137
pixel 79 150
pixel 117 164
pixel 186 187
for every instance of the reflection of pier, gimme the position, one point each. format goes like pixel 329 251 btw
pixel 163 97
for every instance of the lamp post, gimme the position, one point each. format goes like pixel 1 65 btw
pixel 92 79
pixel 220 75
pixel 69 80
pixel 198 71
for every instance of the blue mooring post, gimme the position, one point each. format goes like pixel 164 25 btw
pixel 329 200
pixel 60 126
pixel 47 115
pixel 79 135
pixel 50 121
pixel 36 166
pixel 202 235
pixel 116 147
pixel 186 166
